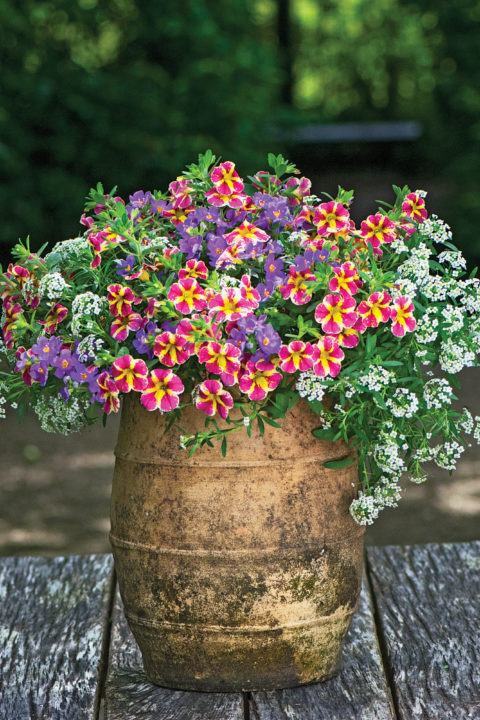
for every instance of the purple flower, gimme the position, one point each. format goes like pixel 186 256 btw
pixel 216 244
pixel 46 349
pixel 191 246
pixel 126 265
pixel 140 199
pixel 93 375
pixel 67 365
pixel 267 288
pixel 269 342
pixel 274 266
pixel 64 392
pixel 141 340
pixel 157 206
pixel 238 338
pixel 303 262
pixel 277 211
pixel 39 373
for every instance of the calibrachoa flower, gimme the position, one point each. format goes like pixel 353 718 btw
pixel 129 374
pixel 222 360
pixel 327 357
pixel 297 355
pixel 346 280
pixel 258 379
pixel 331 218
pixel 260 292
pixel 187 295
pixel 162 391
pixel 212 398
pixel 402 316
pixel 297 286
pixel 375 310
pixel 377 229
pixel 336 313
pixel 172 349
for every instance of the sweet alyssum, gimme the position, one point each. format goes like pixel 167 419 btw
pixel 249 294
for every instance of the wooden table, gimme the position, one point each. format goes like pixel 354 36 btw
pixel 413 650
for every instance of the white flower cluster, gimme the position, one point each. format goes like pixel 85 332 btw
pixel 84 307
pixel 386 454
pixel 455 356
pixel 416 267
pixel 229 281
pixel 476 432
pixel 426 330
pixel 58 416
pixel 447 454
pixel 454 259
pixel 68 249
pixel 403 403
pixel 437 393
pixel 3 400
pixel 470 295
pixel 466 422
pixel 453 318
pixel 399 246
pixel 403 286
pixel 435 229
pixel 89 347
pixel 365 508
pixel 52 286
pixel 310 386
pixel 437 287
pixel 377 378
pixel 426 454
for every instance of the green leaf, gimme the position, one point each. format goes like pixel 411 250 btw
pixel 326 434
pixel 271 422
pixel 224 446
pixel 261 425
pixel 339 464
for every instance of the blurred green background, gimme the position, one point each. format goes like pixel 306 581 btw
pixel 127 92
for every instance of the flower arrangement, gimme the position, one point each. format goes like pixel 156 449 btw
pixel 249 294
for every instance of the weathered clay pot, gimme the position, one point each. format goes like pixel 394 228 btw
pixel 236 573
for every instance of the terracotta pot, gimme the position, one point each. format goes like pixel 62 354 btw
pixel 236 573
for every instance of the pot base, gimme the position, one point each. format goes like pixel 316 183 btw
pixel 242 659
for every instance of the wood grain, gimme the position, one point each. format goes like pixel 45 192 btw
pixel 130 696
pixel 359 692
pixel 428 600
pixel 53 616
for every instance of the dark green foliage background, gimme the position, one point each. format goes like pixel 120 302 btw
pixel 127 92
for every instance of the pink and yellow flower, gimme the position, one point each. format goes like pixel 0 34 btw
pixel 187 295
pixel 327 357
pixel 172 349
pixel 108 393
pixel 196 332
pixel 258 379
pixel 249 293
pixel 377 229
pixel 335 313
pixel 226 179
pixel 414 207
pixel 375 310
pixel 212 398
pixel 56 314
pixel 296 287
pixel 120 298
pixel 244 233
pixel 129 374
pixel 346 280
pixel 13 312
pixel 222 360
pixel 162 391
pixel 100 241
pixel 299 188
pixel 193 269
pixel 331 218
pixel 121 326
pixel 218 199
pixel 297 355
pixel 180 190
pixel 230 305
pixel 402 317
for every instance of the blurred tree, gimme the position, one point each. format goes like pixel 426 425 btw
pixel 122 92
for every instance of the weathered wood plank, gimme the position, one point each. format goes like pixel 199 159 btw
pixel 359 692
pixel 428 600
pixel 53 617
pixel 130 696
